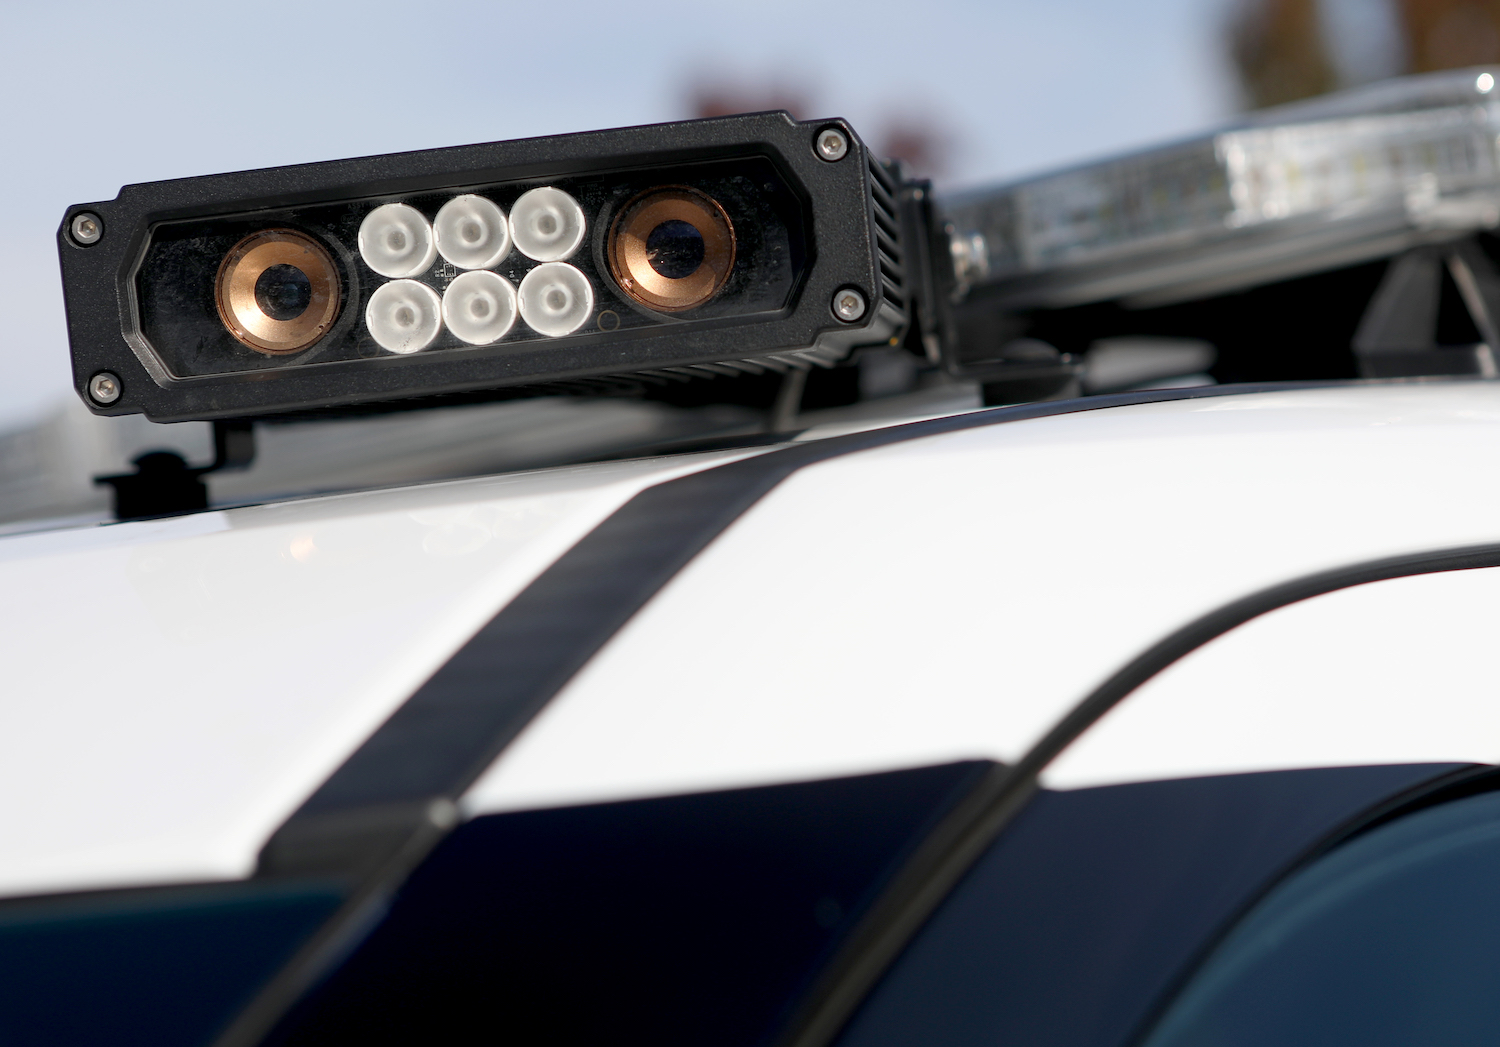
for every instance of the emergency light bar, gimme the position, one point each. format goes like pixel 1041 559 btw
pixel 1294 190
pixel 717 246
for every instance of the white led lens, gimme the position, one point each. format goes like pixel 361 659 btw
pixel 404 316
pixel 547 224
pixel 471 232
pixel 555 298
pixel 480 307
pixel 396 241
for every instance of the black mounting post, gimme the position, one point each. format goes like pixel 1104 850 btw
pixel 163 484
pixel 1397 336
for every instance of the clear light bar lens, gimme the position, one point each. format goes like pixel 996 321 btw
pixel 1297 189
pixel 459 244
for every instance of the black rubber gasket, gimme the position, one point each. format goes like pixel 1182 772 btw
pixel 395 797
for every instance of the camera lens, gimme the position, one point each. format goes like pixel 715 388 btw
pixel 277 291
pixel 671 248
pixel 283 292
pixel 675 249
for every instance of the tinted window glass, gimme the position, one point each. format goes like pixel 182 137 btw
pixel 1389 940
pixel 165 968
pixel 689 920
pixel 1093 903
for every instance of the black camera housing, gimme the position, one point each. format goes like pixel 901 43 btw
pixel 845 211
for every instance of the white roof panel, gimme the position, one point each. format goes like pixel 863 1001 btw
pixel 174 689
pixel 953 596
pixel 1400 671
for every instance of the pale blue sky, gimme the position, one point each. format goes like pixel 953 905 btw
pixel 102 94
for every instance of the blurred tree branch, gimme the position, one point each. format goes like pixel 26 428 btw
pixel 1284 50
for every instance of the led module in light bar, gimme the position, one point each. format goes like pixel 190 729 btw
pixel 1291 191
pixel 471 232
pixel 658 252
pixel 555 299
pixel 404 316
pixel 396 240
pixel 480 307
pixel 549 224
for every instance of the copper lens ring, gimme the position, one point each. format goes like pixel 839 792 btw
pixel 277 291
pixel 671 248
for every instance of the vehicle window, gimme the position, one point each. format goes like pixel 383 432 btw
pixel 159 967
pixel 677 922
pixel 1093 904
pixel 1388 940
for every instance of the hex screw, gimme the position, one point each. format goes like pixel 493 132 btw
pixel 104 388
pixel 86 228
pixel 848 305
pixel 832 144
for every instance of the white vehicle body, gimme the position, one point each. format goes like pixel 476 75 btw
pixel 175 689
